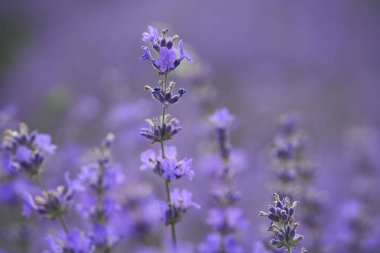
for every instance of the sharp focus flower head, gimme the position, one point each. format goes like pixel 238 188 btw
pixel 165 96
pixel 169 57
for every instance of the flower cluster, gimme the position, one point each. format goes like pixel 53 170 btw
pixel 226 220
pixel 181 201
pixel 51 204
pixel 75 241
pixel 281 215
pixel 161 129
pixel 165 96
pixel 26 151
pixel 169 57
pixel 169 168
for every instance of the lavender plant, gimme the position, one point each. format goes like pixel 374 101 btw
pixel 98 181
pixel 164 128
pixel 26 153
pixel 295 175
pixel 283 225
pixel 226 220
pixel 361 147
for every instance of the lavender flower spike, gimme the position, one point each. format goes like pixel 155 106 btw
pixel 162 129
pixel 281 215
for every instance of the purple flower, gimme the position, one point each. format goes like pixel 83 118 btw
pixel 151 35
pixel 76 241
pixel 23 154
pixel 148 159
pixel 169 168
pixel 227 220
pixel 185 166
pixel 166 60
pixel 182 199
pixel 43 142
pixel 168 55
pixel 222 118
pixel 183 54
pixel 215 243
pixel 146 54
pixel 50 204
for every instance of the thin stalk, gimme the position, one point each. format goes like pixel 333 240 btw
pixel 167 182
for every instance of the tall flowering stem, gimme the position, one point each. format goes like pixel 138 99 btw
pixel 98 181
pixel 25 153
pixel 162 129
pixel 226 220
pixel 295 174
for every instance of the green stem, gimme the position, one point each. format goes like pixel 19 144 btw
pixel 41 182
pixel 167 182
pixel 289 249
pixel 64 224
pixel 43 186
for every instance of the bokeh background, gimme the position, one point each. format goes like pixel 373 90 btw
pixel 71 68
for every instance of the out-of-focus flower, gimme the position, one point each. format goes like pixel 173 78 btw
pixel 75 241
pixel 168 168
pixel 181 201
pixel 26 150
pixel 51 204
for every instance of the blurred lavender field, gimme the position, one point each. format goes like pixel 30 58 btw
pixel 301 79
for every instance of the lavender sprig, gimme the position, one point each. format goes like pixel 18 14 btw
pixel 295 174
pixel 281 215
pixel 97 180
pixel 162 129
pixel 226 220
pixel 26 152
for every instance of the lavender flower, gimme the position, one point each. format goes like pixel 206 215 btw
pixel 165 96
pixel 26 150
pixel 75 241
pixel 281 215
pixel 161 129
pixel 51 204
pixel 295 175
pixel 169 58
pixel 181 201
pixel 168 168
pixel 98 178
pixel 26 153
pixel 226 221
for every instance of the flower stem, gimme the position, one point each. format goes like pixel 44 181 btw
pixel 64 224
pixel 167 182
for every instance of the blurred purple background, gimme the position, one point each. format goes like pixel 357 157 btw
pixel 71 68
